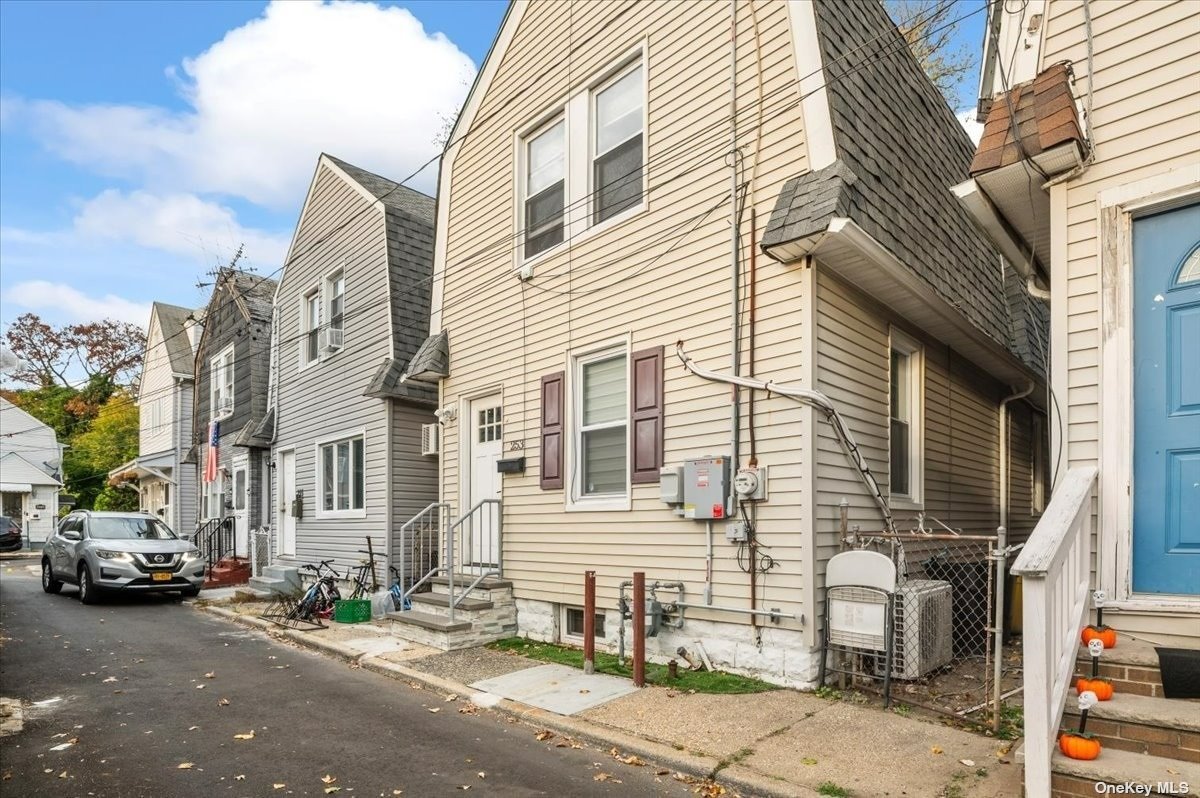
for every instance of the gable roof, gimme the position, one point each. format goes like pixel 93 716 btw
pixel 15 469
pixel 900 150
pixel 172 320
pixel 390 193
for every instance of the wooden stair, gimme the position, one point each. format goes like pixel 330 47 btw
pixel 1146 739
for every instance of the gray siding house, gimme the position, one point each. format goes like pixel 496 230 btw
pixel 351 309
pixel 232 367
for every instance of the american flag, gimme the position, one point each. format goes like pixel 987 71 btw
pixel 213 456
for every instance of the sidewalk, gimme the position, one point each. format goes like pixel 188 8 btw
pixel 777 743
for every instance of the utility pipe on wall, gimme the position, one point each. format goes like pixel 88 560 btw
pixel 1004 403
pixel 735 421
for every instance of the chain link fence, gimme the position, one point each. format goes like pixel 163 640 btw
pixel 262 549
pixel 951 595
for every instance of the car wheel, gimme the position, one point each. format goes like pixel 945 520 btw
pixel 49 583
pixel 88 593
pixel 190 592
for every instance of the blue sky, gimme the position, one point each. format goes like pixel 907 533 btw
pixel 143 141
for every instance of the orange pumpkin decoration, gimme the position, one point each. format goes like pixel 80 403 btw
pixel 1105 634
pixel 1077 745
pixel 1103 688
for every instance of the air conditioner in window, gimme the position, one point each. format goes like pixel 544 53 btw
pixel 923 629
pixel 430 438
pixel 331 339
pixel 225 405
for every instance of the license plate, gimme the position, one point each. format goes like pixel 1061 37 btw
pixel 161 576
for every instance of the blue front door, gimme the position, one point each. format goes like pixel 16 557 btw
pixel 1166 402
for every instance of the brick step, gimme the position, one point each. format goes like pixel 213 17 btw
pixel 1132 666
pixel 1168 728
pixel 1071 778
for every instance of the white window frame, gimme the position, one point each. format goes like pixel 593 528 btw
pixel 214 490
pixel 217 366
pixel 915 352
pixel 565 625
pixel 327 296
pixel 574 496
pixel 319 471
pixel 306 327
pixel 577 110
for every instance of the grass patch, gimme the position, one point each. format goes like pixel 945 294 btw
pixel 832 790
pixel 700 681
pixel 1012 722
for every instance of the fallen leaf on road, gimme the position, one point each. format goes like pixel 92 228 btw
pixel 452 697
pixel 936 749
pixel 968 762
pixel 61 746
pixel 185 766
pixel 247 736
pixel 56 736
pixel 201 686
pixel 240 777
pixel 544 734
pixel 481 775
pixel 327 779
pixel 278 786
pixel 808 760
pixel 584 691
pixel 62 775
pixel 416 685
pixel 48 770
pixel 117 692
pixel 468 709
pixel 662 772
pixel 464 787
pixel 109 679
pixel 210 675
pixel 329 790
pixel 224 702
pixel 193 728
pixel 434 709
pixel 605 777
pixel 631 760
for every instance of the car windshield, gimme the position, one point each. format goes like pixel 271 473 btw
pixel 129 529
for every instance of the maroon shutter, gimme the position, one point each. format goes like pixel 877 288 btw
pixel 552 431
pixel 646 415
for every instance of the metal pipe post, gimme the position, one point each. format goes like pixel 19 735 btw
pixel 639 629
pixel 589 625
pixel 1001 555
pixel 450 566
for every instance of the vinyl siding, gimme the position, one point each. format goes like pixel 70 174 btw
pixel 649 279
pixel 342 229
pixel 156 389
pixel 1146 123
pixel 961 425
pixel 187 510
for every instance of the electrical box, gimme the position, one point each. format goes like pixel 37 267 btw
pixel 670 485
pixel 705 486
pixel 736 532
pixel 750 483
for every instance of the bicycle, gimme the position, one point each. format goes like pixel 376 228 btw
pixel 319 599
pixel 399 601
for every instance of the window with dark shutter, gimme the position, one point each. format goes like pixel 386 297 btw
pixel 552 431
pixel 646 415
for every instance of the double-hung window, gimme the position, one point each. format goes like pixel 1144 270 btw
pixel 617 165
pixel 906 450
pixel 220 378
pixel 310 321
pixel 340 476
pixel 545 188
pixel 335 289
pixel 602 410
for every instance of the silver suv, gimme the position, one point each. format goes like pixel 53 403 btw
pixel 101 551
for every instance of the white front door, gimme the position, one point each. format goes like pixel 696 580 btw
pixel 486 444
pixel 286 494
pixel 241 501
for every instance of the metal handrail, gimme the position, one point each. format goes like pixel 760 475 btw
pixel 408 533
pixel 214 538
pixel 1055 567
pixel 453 541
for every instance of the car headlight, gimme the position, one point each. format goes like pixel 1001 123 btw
pixel 116 556
pixel 194 554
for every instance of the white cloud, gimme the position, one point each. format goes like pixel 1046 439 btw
pixel 182 224
pixel 362 82
pixel 974 129
pixel 67 303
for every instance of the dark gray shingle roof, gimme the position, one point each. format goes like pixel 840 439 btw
pixel 391 193
pixel 901 149
pixel 172 320
pixel 387 384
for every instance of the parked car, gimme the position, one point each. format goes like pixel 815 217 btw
pixel 103 551
pixel 10 534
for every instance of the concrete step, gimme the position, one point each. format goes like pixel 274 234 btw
pixel 428 621
pixel 272 586
pixel 437 631
pixel 252 594
pixel 495 590
pixel 442 600
pixel 1168 728
pixel 1072 777
pixel 285 573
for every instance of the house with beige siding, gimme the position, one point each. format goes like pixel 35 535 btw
pixel 630 212
pixel 165 483
pixel 351 308
pixel 1088 178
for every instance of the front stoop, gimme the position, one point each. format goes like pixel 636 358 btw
pixel 488 613
pixel 1146 739
pixel 278 579
pixel 229 571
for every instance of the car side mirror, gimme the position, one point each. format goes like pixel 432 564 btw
pixel 72 534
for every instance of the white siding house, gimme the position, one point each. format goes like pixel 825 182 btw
pixel 30 472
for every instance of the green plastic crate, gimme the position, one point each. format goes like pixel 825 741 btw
pixel 352 610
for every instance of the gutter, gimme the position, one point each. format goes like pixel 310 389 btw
pixel 1004 455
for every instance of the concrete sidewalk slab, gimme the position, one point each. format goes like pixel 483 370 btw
pixel 557 688
pixel 375 646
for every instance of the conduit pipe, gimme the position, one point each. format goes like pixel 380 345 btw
pixel 735 420
pixel 813 399
pixel 1004 403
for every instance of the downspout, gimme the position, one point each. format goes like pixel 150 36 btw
pixel 1004 450
pixel 735 421
pixel 752 532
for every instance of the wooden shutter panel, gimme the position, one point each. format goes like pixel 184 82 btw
pixel 646 415
pixel 552 431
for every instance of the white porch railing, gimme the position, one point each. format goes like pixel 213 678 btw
pixel 1055 568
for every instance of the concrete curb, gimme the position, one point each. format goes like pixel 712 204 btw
pixel 743 779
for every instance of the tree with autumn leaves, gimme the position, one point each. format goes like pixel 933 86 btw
pixel 79 380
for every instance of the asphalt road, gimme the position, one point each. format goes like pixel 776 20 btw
pixel 129 676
